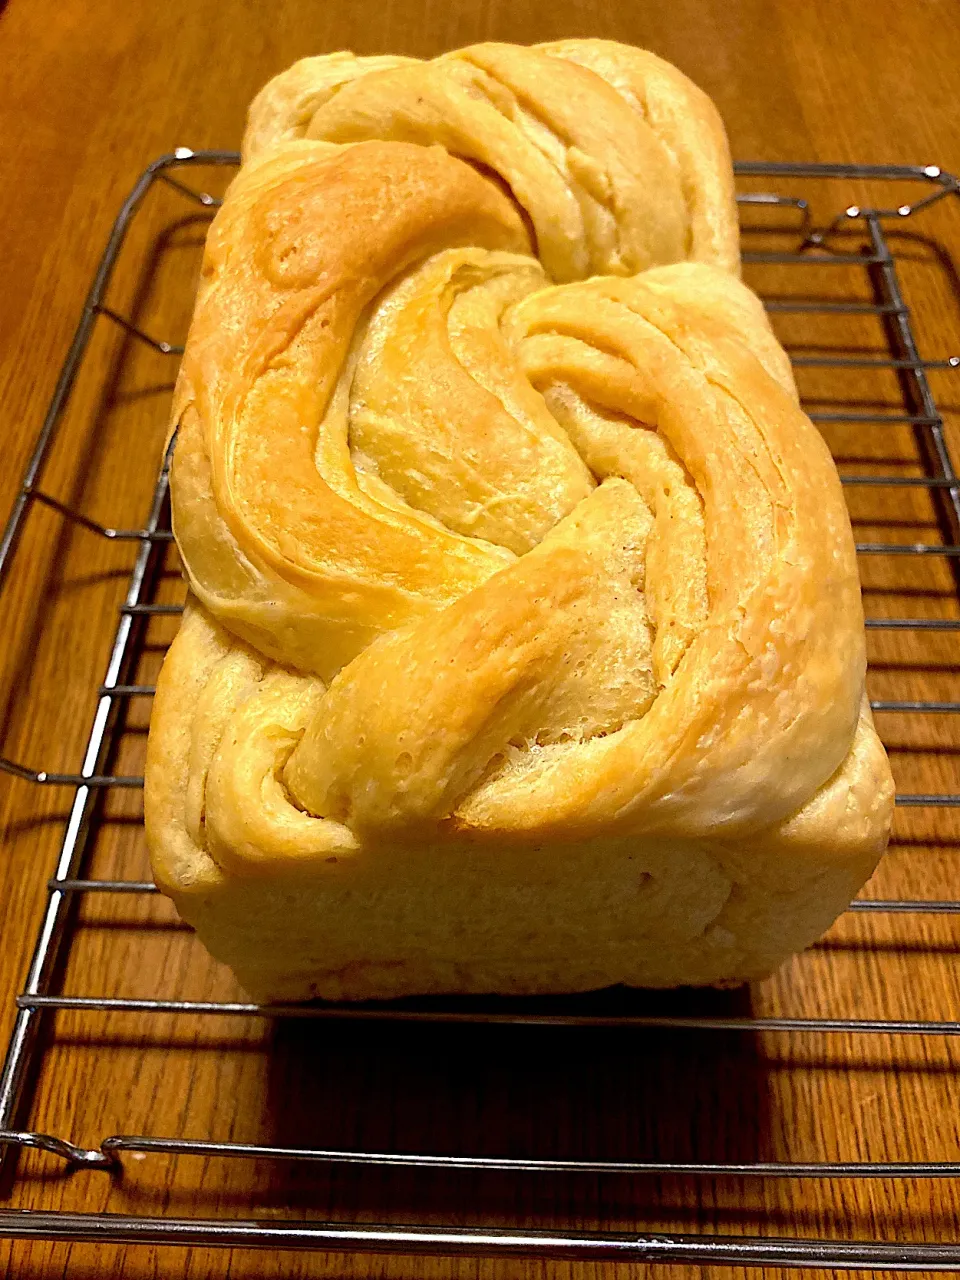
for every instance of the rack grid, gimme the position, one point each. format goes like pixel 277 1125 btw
pixel 41 995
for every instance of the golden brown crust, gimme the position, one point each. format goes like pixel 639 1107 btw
pixel 529 650
pixel 304 243
pixel 619 162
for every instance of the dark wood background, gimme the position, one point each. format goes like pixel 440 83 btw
pixel 90 93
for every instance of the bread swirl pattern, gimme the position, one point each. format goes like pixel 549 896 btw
pixel 527 651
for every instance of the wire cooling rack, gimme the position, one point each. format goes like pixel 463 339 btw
pixel 782 237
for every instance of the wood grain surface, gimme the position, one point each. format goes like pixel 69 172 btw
pixel 91 91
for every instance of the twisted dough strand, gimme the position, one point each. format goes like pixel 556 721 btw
pixel 619 162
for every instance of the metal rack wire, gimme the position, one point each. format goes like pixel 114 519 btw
pixel 40 996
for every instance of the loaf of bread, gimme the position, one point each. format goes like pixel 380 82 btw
pixel 524 649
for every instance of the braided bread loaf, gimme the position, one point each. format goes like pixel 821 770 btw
pixel 525 649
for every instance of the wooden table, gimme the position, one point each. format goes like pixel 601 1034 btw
pixel 91 92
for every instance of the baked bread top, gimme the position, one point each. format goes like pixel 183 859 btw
pixel 618 161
